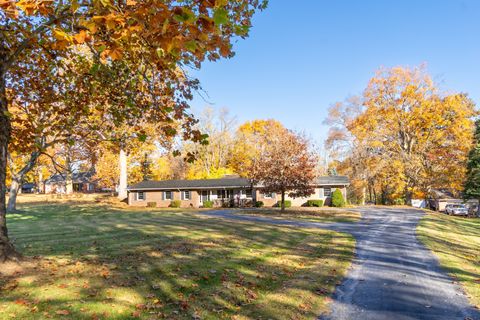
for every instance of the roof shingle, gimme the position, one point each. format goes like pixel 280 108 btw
pixel 192 184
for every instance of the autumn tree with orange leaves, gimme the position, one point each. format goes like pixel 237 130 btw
pixel 287 166
pixel 403 136
pixel 150 39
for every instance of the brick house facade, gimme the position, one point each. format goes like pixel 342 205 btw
pixel 225 192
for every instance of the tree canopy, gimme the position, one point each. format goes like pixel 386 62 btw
pixel 403 136
pixel 136 52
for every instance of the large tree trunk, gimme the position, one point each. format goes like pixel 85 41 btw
pixel 68 182
pixel 40 187
pixel 12 195
pixel 364 195
pixel 7 251
pixel 17 181
pixel 408 197
pixel 283 201
pixel 122 185
pixel 68 175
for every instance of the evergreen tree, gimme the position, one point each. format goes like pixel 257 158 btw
pixel 146 168
pixel 472 184
pixel 337 198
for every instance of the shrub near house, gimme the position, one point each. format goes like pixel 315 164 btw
pixel 338 199
pixel 314 203
pixel 288 204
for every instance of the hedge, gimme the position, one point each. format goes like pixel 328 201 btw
pixel 259 204
pixel 175 204
pixel 288 204
pixel 314 203
pixel 208 204
pixel 337 199
pixel 151 204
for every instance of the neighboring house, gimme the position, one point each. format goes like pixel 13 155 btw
pixel 28 188
pixel 228 191
pixel 439 198
pixel 83 182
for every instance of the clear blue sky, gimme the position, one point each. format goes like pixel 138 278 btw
pixel 304 55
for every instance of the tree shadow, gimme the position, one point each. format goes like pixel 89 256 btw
pixel 96 261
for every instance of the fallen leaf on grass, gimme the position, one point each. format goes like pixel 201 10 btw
pixel 184 305
pixel 21 302
pixel 136 314
pixel 63 312
pixel 321 291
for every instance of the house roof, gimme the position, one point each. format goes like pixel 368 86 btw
pixel 77 177
pixel 228 182
pixel 192 184
pixel 333 180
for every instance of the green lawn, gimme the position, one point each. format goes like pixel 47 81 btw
pixel 456 242
pixel 322 214
pixel 97 261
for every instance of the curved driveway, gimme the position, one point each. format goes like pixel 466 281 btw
pixel 393 275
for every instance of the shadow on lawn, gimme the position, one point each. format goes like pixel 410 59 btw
pixel 120 265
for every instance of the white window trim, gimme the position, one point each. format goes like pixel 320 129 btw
pixel 189 195
pixel 270 196
pixel 165 195
pixel 331 191
pixel 137 198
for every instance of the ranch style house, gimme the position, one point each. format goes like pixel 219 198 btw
pixel 224 192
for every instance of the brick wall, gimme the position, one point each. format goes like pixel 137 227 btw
pixel 157 196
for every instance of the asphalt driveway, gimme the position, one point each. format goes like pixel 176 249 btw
pixel 393 275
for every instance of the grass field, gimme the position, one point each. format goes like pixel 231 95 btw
pixel 322 214
pixel 456 242
pixel 97 261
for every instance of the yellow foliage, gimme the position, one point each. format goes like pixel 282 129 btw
pixel 251 139
pixel 409 137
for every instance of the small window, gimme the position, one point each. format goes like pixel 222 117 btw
pixel 248 193
pixel 327 192
pixel 167 195
pixel 220 194
pixel 268 195
pixel 186 195
pixel 140 196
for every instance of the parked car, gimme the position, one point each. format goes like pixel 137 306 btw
pixel 456 210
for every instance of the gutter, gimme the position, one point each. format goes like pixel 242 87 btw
pixel 219 188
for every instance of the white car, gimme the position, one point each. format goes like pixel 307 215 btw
pixel 456 209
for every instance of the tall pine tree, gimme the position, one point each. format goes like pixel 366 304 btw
pixel 472 184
